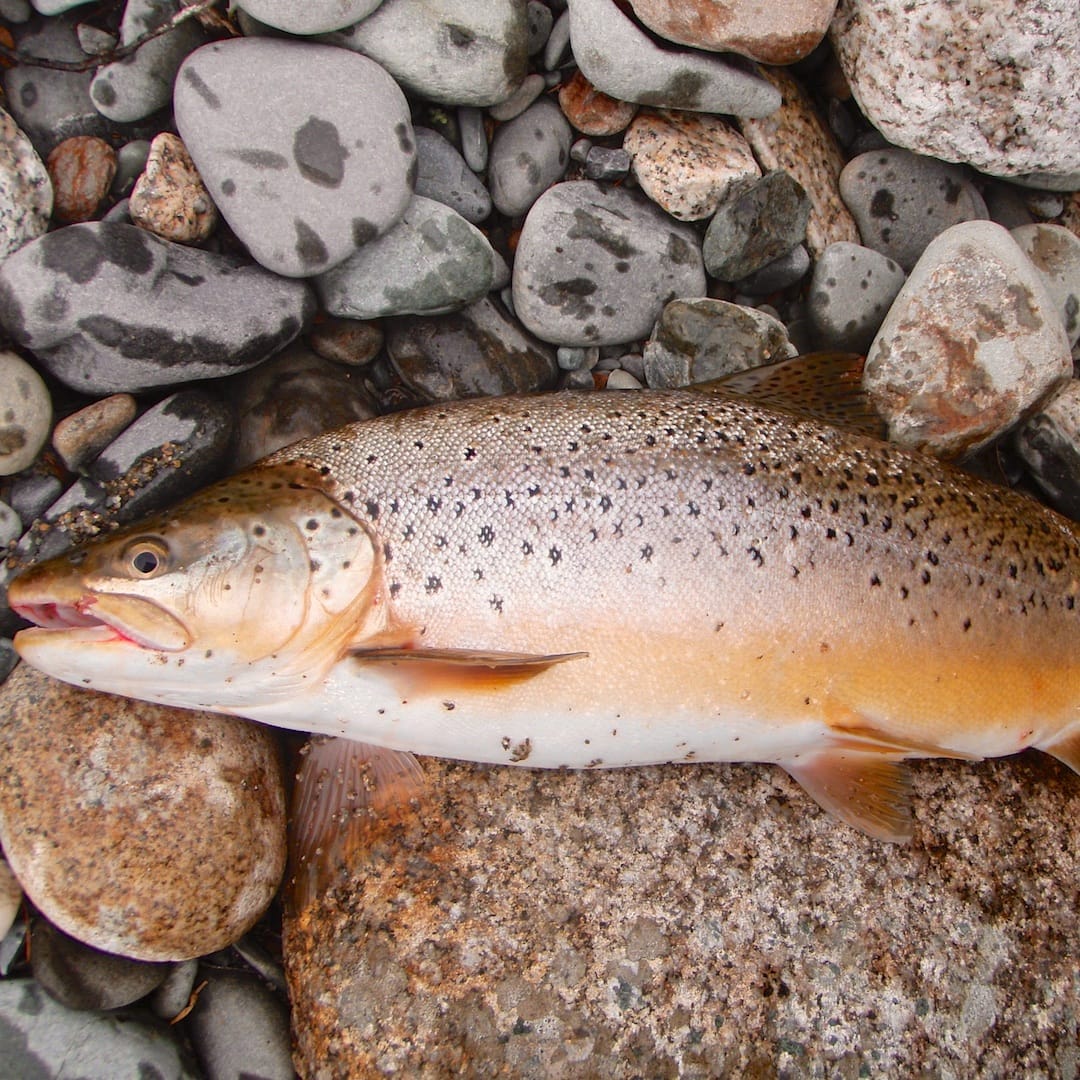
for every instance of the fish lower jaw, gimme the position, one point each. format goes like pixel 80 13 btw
pixel 28 642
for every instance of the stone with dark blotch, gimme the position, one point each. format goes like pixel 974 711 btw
pixel 443 175
pixel 1055 251
pixel 528 155
pixel 25 413
pixel 107 307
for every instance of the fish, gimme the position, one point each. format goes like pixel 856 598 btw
pixel 586 580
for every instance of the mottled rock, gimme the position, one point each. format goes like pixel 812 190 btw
pixel 83 434
pixel 1049 443
pixel 476 352
pixel 971 343
pixel 595 266
pixel 991 86
pixel 620 59
pixel 442 174
pixel 528 155
pixel 901 201
pixel 774 33
pixel 293 395
pixel 26 195
pixel 40 1035
pixel 346 341
pixel 107 307
pixel 312 16
pixel 1055 251
pixel 592 112
pixel 698 921
pixel 698 340
pixel 141 84
pixel 170 199
pixel 851 292
pixel 322 131
pixel 688 163
pixel 756 224
pixel 456 52
pixel 432 261
pixel 81 170
pixel 25 413
pixel 151 832
pixel 795 139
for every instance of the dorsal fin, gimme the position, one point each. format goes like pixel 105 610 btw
pixel 824 385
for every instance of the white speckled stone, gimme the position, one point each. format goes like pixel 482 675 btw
pixel 977 81
pixel 25 413
pixel 26 194
pixel 170 199
pixel 972 342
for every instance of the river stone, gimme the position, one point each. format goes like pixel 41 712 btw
pixel 697 921
pixel 528 155
pixel 530 88
pixel 479 351
pixel 26 194
pixel 620 59
pixel 311 16
pixel 443 175
pixel 850 294
pixel 319 130
pixel 432 261
pixel 776 275
pixel 1049 443
pixel 698 340
pixel 595 265
pixel 1056 254
pixel 346 341
pixel 971 343
pixel 10 889
pixel 780 32
pixel 141 84
pixel 993 85
pixel 40 1036
pixel 83 434
pixel 756 224
pixel 593 112
pixel 688 163
pixel 901 201
pixel 25 413
pixel 456 52
pixel 107 307
pixel 81 170
pixel 170 199
pixel 110 810
pixel 795 139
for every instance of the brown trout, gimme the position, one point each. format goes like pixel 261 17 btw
pixel 596 580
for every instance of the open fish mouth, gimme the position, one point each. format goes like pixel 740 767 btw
pixel 52 615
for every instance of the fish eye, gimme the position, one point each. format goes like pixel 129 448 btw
pixel 146 557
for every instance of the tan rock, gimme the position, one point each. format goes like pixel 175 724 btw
pixel 688 163
pixel 81 169
pixel 592 112
pixel 772 31
pixel 82 435
pixel 346 341
pixel 151 832
pixel 698 921
pixel 170 198
pixel 795 138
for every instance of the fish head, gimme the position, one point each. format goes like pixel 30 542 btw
pixel 246 591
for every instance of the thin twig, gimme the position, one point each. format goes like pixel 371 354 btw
pixel 112 55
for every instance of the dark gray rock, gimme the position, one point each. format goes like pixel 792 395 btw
pixel 443 175
pixel 1049 443
pixel 107 307
pixel 540 20
pixel 478 351
pixel 779 274
pixel 528 154
pixel 306 149
pixel 606 163
pixel 756 225
pixel 595 265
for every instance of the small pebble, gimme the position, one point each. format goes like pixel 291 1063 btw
pixel 570 358
pixel 82 435
pixel 130 165
pixel 10 525
pixel 26 194
pixel 558 42
pixel 622 380
pixel 528 155
pixel 606 163
pixel 592 112
pixel 1049 443
pixel 346 341
pixel 532 86
pixel 25 413
pixel 443 174
pixel 81 169
pixel 474 142
pixel 95 42
pixel 779 274
pixel 169 199
pixel 540 21
pixel 174 993
pixel 1055 251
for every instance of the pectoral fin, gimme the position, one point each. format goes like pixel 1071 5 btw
pixel 868 789
pixel 345 793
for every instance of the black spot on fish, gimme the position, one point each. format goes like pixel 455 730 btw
pixel 555 555
pixel 433 584
pixel 486 535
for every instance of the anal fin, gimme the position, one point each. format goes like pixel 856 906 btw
pixel 344 792
pixel 867 789
pixel 1066 749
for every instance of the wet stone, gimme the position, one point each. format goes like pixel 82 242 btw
pixel 26 196
pixel 139 85
pixel 25 413
pixel 595 265
pixel 755 225
pixel 346 341
pixel 592 112
pixel 480 350
pixel 432 261
pixel 82 435
pixel 81 170
pixel 456 52
pixel 851 292
pixel 528 155
pixel 310 17
pixel 1049 443
pixel 135 802
pixel 698 340
pixel 972 341
pixel 1055 251
pixel 443 175
pixel 901 201
pixel 170 199
pixel 107 307
pixel 344 171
